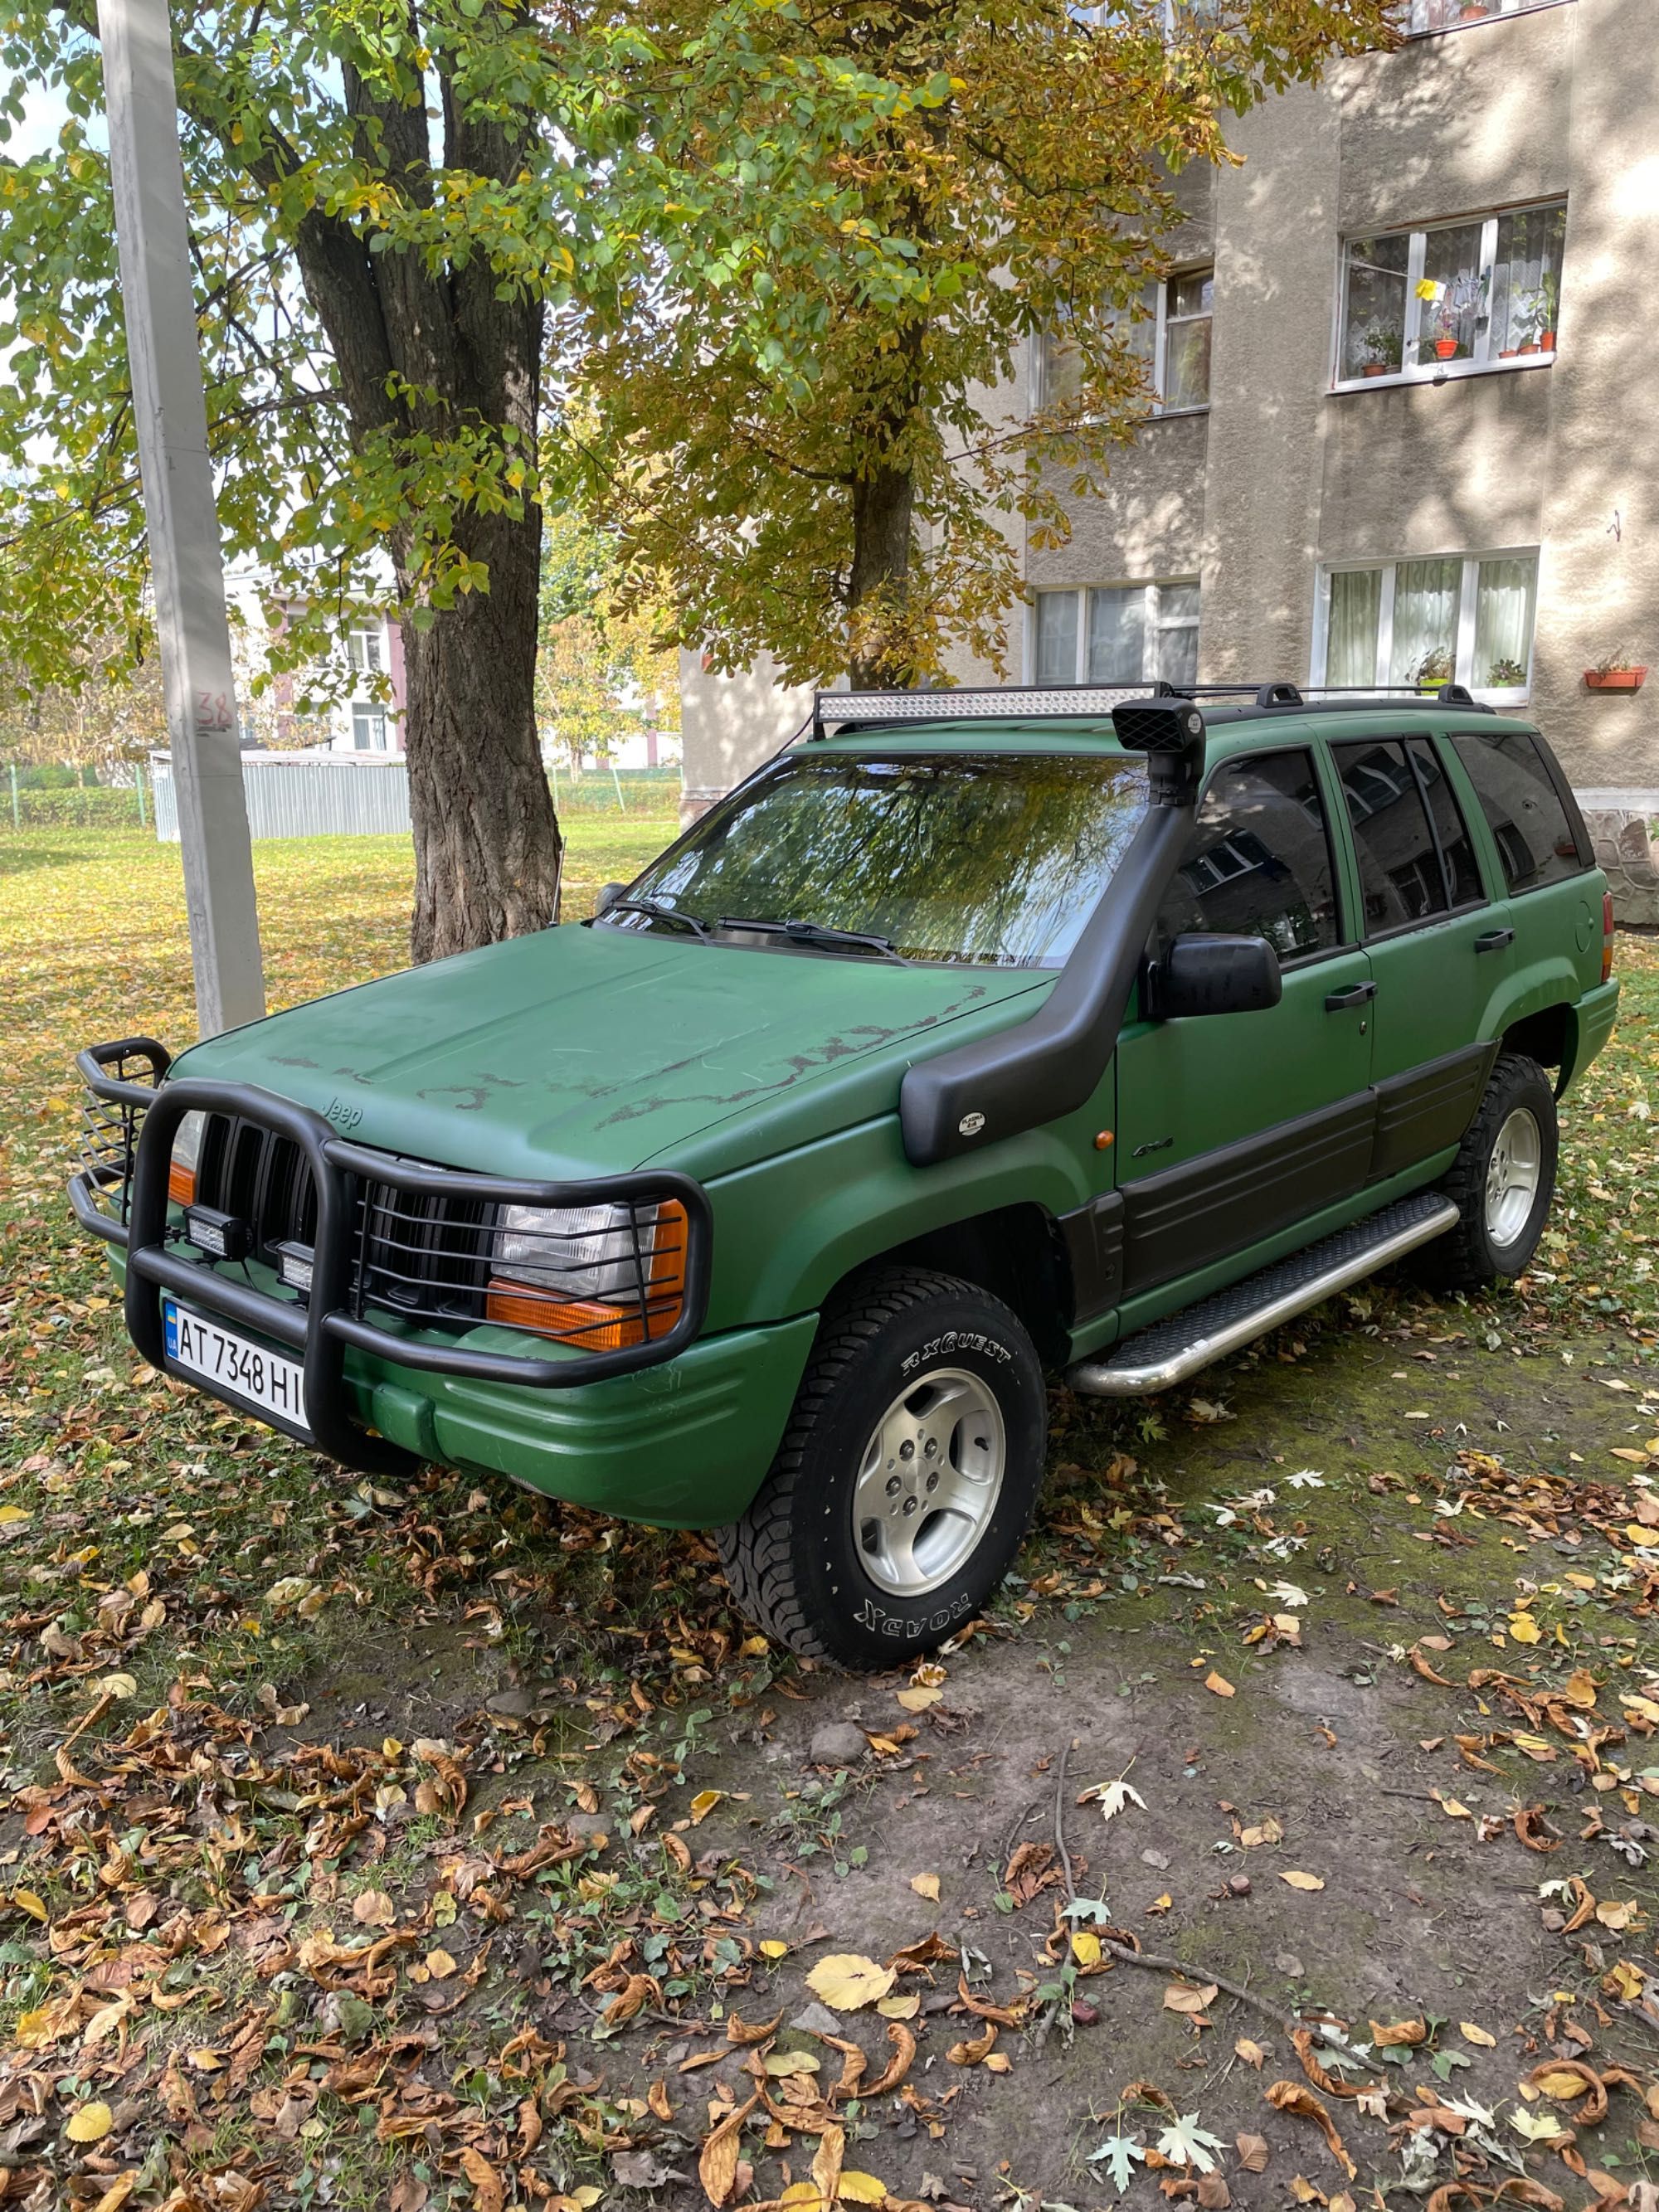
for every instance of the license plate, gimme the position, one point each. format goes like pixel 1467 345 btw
pixel 234 1367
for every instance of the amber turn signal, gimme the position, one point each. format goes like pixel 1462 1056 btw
pixel 181 1183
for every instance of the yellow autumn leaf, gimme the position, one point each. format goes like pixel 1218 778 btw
pixel 1085 1946
pixel 846 1981
pixel 904 2008
pixel 1299 1880
pixel 925 1885
pixel 1565 2083
pixel 1453 1808
pixel 801 2196
pixel 858 2188
pixel 27 1901
pixel 1471 2033
pixel 704 1803
pixel 11 1515
pixel 1638 1534
pixel 90 2123
pixel 917 1699
pixel 780 2064
pixel 117 1686
pixel 440 1964
pixel 1524 1628
pixel 771 1949
pixel 1219 1686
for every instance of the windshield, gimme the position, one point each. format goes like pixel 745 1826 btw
pixel 994 858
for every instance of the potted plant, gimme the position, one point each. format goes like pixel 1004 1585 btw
pixel 1507 674
pixel 1616 671
pixel 1383 343
pixel 1434 668
pixel 1549 306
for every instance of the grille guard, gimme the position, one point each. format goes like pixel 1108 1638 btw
pixel 321 1330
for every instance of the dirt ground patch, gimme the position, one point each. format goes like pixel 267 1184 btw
pixel 428 1845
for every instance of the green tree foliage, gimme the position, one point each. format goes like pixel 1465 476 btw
pixel 385 208
pixel 862 211
pixel 602 672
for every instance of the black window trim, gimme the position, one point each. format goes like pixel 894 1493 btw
pixel 1447 912
pixel 1558 781
pixel 1310 748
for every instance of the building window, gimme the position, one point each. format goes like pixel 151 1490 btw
pixel 1464 618
pixel 1118 634
pixel 368 730
pixel 367 644
pixel 1169 332
pixel 1418 18
pixel 1451 298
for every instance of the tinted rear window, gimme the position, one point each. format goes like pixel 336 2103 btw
pixel 1536 841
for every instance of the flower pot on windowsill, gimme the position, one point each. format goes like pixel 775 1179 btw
pixel 1509 353
pixel 1546 341
pixel 1531 346
pixel 1472 14
pixel 1374 369
pixel 1615 679
pixel 1444 349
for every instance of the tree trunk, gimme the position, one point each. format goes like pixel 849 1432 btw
pixel 486 844
pixel 880 655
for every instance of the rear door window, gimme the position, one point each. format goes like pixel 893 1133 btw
pixel 1536 841
pixel 1259 859
pixel 1400 879
pixel 1462 870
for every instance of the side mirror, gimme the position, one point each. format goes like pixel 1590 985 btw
pixel 1203 975
pixel 609 893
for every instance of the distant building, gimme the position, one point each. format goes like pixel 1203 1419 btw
pixel 1403 424
pixel 365 720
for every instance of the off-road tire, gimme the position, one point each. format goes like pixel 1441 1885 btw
pixel 1466 1258
pixel 792 1560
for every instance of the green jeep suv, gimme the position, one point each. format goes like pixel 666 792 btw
pixel 976 1034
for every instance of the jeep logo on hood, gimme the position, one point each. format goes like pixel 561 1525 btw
pixel 344 1116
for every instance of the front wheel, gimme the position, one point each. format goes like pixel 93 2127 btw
pixel 906 1479
pixel 1502 1182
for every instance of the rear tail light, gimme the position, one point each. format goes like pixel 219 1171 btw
pixel 1606 935
pixel 634 1257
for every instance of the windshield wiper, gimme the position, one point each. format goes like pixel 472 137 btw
pixel 817 933
pixel 654 910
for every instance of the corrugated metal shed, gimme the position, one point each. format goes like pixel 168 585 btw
pixel 306 796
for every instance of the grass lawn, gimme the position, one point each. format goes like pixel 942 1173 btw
pixel 432 1845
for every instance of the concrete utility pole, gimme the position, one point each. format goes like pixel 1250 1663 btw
pixel 165 361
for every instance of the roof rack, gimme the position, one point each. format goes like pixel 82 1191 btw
pixel 1047 701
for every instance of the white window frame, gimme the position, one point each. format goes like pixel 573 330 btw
pixel 367 646
pixel 1153 627
pixel 1437 372
pixel 1508 695
pixel 375 712
pixel 1158 316
pixel 1411 16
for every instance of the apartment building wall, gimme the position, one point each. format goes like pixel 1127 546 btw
pixel 1284 477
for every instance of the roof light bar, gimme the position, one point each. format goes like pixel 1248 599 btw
pixel 1024 701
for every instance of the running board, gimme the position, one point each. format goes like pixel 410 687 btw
pixel 1170 1351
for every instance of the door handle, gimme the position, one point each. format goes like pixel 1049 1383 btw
pixel 1494 940
pixel 1351 995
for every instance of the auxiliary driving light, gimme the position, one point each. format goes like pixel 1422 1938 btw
pixel 294 1263
pixel 222 1235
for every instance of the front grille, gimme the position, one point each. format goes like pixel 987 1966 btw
pixel 432 1256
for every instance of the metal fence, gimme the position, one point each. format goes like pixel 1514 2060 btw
pixel 305 795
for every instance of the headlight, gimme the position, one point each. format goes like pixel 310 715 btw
pixel 600 1276
pixel 186 1157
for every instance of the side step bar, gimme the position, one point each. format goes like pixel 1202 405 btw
pixel 1170 1351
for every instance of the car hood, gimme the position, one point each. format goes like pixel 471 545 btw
pixel 580 1051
